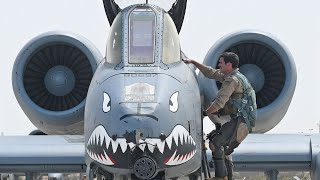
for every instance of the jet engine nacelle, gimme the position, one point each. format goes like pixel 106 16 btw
pixel 50 79
pixel 267 64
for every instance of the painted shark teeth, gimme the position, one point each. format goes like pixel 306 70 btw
pixel 102 158
pixel 179 132
pixel 179 159
pixel 179 135
pixel 101 134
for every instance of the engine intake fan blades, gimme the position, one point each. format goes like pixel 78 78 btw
pixel 50 79
pixel 57 77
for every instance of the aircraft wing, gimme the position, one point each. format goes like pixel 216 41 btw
pixel 258 152
pixel 49 153
pixel 282 152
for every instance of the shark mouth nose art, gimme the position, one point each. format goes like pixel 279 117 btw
pixel 178 147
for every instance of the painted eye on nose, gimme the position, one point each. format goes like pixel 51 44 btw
pixel 173 102
pixel 106 105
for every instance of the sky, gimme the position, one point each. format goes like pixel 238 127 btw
pixel 295 23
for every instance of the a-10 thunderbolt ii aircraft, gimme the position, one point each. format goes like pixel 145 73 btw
pixel 140 107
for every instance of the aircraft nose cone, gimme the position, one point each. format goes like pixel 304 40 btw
pixel 144 168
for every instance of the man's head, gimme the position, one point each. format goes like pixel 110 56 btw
pixel 228 62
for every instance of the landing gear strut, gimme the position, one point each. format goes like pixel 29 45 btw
pixel 89 173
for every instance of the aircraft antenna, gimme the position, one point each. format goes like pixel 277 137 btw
pixel 146 1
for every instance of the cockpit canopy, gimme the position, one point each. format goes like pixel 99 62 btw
pixel 147 41
pixel 114 43
pixel 142 35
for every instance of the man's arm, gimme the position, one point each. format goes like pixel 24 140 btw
pixel 207 70
pixel 200 66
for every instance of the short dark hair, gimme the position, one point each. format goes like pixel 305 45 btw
pixel 230 57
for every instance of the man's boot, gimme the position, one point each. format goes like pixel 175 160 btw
pixel 229 165
pixel 220 170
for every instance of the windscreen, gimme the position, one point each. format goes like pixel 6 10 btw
pixel 171 44
pixel 142 36
pixel 114 42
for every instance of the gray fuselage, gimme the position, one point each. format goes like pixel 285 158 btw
pixel 142 109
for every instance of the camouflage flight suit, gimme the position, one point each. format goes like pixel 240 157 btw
pixel 225 139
